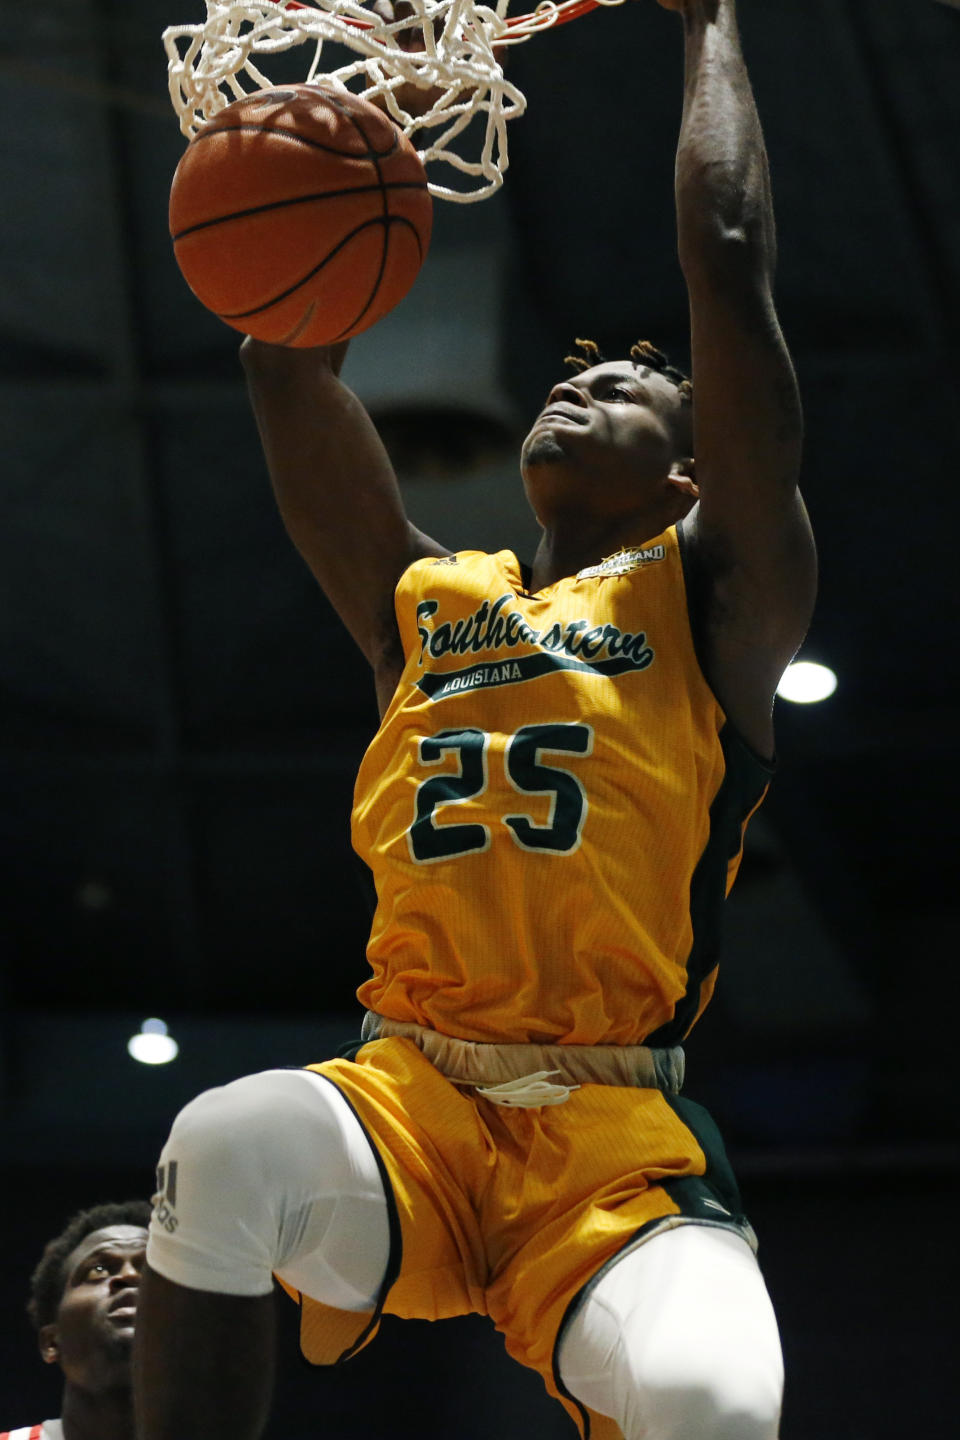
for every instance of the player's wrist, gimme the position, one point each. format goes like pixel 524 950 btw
pixel 261 355
pixel 696 13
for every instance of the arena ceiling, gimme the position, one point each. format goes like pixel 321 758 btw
pixel 182 713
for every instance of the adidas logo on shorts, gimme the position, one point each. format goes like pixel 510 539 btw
pixel 165 1200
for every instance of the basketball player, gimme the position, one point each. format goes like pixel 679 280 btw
pixel 553 811
pixel 83 1305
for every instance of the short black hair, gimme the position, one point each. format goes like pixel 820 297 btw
pixel 641 353
pixel 49 1278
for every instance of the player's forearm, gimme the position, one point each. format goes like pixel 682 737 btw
pixel 724 209
pixel 299 405
pixel 336 490
pixel 258 357
pixel 316 435
pixel 332 479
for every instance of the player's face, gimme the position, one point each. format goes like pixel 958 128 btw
pixel 92 1337
pixel 617 427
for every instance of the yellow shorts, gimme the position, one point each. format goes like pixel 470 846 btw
pixel 511 1212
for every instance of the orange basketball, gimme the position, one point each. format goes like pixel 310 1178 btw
pixel 300 215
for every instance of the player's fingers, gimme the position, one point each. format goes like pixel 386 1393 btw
pixel 410 39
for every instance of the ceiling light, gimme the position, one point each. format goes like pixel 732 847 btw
pixel 153 1046
pixel 804 682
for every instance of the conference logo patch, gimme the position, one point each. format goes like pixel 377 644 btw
pixel 623 562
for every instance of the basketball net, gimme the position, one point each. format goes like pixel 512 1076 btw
pixel 448 50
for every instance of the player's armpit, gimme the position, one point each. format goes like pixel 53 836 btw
pixel 336 489
pixel 750 609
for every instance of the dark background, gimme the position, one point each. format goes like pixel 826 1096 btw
pixel 181 714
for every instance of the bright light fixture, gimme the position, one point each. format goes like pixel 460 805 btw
pixel 804 682
pixel 153 1045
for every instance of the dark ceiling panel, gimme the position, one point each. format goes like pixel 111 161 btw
pixel 90 887
pixel 264 654
pixel 228 886
pixel 78 632
pixel 282 901
pixel 882 439
pixel 50 235
pixel 176 336
pixel 590 183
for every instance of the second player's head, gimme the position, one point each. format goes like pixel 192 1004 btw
pixel 613 438
pixel 83 1295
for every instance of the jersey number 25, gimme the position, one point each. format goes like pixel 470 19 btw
pixel 527 774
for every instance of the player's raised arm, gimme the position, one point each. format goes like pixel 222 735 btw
pixel 750 531
pixel 337 492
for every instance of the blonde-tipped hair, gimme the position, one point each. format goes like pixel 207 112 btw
pixel 643 352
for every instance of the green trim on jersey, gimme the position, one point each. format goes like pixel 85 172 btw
pixel 745 778
pixel 718 1183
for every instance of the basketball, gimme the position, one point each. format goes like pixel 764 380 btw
pixel 300 215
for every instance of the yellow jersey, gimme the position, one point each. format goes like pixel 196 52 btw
pixel 553 807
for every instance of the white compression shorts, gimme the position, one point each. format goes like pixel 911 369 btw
pixel 274 1174
pixel 678 1339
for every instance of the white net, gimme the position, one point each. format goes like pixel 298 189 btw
pixel 436 69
